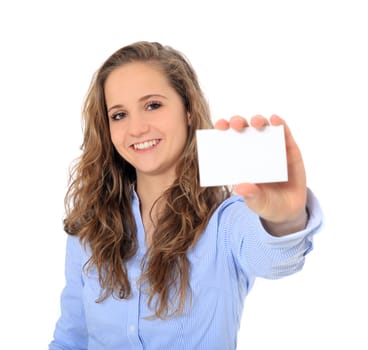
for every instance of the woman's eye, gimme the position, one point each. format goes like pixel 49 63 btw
pixel 118 116
pixel 153 105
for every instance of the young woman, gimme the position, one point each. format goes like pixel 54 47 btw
pixel 153 260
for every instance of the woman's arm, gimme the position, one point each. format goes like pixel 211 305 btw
pixel 255 252
pixel 71 332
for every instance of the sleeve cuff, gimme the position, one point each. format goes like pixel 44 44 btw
pixel 314 224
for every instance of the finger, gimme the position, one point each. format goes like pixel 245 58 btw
pixel 247 190
pixel 238 123
pixel 222 124
pixel 276 121
pixel 259 122
pixel 253 196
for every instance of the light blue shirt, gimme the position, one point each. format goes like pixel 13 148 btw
pixel 232 251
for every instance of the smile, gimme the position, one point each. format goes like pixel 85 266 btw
pixel 145 145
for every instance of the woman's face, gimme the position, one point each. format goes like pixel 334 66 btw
pixel 147 119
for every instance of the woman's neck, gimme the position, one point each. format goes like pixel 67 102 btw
pixel 149 190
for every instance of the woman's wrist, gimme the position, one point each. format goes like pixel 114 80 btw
pixel 287 227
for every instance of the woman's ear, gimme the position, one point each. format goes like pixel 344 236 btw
pixel 189 118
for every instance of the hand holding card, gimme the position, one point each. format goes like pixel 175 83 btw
pixel 262 158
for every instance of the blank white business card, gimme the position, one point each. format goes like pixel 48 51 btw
pixel 231 157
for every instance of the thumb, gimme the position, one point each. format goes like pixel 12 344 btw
pixel 247 190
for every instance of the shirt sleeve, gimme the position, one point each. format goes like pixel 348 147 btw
pixel 70 331
pixel 258 253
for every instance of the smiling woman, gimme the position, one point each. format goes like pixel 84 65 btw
pixel 149 128
pixel 154 261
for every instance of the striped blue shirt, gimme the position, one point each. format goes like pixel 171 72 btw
pixel 233 250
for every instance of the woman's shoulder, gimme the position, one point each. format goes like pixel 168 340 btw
pixel 233 205
pixel 77 249
pixel 233 211
pixel 233 199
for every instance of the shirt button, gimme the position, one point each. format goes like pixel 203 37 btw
pixel 132 328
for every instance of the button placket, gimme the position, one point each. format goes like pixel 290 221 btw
pixel 133 314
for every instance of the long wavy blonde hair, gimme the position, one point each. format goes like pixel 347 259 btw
pixel 99 198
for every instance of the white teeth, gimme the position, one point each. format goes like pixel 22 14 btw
pixel 145 145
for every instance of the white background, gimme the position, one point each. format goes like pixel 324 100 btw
pixel 305 60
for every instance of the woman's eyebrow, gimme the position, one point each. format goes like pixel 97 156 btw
pixel 115 107
pixel 147 97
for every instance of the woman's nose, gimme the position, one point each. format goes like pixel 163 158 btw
pixel 138 126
